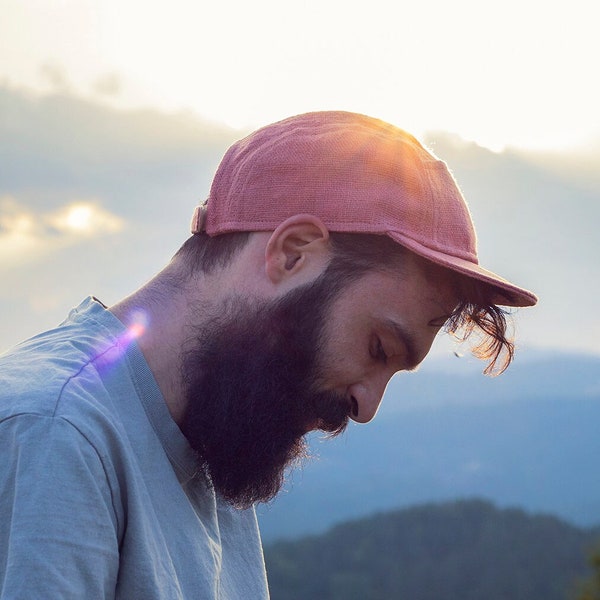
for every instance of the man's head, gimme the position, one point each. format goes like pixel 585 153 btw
pixel 364 177
pixel 261 372
pixel 362 248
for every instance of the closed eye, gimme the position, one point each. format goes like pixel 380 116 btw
pixel 377 352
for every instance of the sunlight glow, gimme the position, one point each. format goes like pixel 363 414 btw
pixel 139 324
pixel 26 234
pixel 79 217
pixel 111 355
pixel 457 66
pixel 84 218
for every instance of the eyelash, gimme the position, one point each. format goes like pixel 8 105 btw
pixel 378 352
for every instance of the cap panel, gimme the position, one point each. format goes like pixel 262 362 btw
pixel 348 173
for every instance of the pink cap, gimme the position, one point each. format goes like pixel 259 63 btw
pixel 358 175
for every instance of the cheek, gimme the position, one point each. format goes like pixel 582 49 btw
pixel 343 364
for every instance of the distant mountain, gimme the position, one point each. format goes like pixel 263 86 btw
pixel 466 550
pixel 527 438
pixel 540 375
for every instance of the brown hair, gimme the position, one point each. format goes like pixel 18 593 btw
pixel 202 253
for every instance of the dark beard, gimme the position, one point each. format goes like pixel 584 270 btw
pixel 251 391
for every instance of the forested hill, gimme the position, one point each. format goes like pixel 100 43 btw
pixel 466 550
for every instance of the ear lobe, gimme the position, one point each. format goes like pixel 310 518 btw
pixel 299 242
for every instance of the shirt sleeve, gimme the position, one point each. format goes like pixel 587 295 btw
pixel 58 527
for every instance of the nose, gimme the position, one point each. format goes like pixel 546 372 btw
pixel 365 399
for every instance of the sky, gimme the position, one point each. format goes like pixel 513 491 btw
pixel 114 115
pixel 515 73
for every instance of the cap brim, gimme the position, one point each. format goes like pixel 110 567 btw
pixel 508 294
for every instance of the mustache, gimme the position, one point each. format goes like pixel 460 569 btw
pixel 332 411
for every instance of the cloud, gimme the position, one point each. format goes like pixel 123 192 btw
pixel 27 235
pixel 137 161
pixel 108 85
pixel 66 163
pixel 84 219
pixel 55 76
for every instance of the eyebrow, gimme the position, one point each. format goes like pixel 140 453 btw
pixel 408 341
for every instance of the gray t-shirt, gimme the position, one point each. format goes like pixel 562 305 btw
pixel 100 496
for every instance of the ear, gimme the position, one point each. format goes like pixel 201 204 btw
pixel 299 244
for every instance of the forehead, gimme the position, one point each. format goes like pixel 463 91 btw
pixel 417 287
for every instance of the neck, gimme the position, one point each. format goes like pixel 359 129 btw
pixel 161 315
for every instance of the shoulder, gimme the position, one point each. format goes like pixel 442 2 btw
pixel 62 375
pixel 35 376
pixel 39 372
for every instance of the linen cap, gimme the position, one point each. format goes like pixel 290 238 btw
pixel 358 175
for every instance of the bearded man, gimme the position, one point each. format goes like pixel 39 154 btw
pixel 137 438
